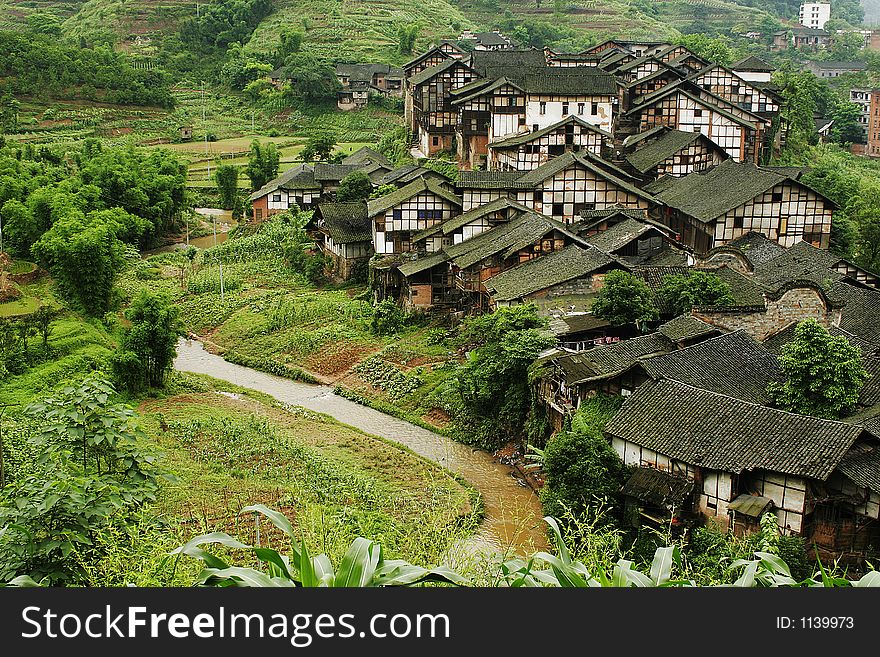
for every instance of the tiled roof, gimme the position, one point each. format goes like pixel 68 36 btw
pixel 862 465
pixel 366 71
pixel 870 393
pixel 800 262
pixel 861 313
pixel 398 196
pixel 334 172
pixel 526 137
pixel 423 263
pixel 431 71
pixel 480 211
pixel 478 88
pixel 744 290
pixel 485 61
pixel 571 324
pixel 570 81
pixel 408 173
pixel 658 488
pixel 298 177
pixel 775 342
pixel 752 63
pixel 710 194
pixel 757 247
pixel 686 327
pixel 645 158
pixel 505 239
pixel 347 222
pixel 366 154
pixel 732 364
pixel 719 432
pixel 621 234
pixel 546 271
pixel 610 360
pixel 490 180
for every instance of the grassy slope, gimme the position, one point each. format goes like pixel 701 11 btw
pixel 229 451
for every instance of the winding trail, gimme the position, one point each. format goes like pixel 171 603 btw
pixel 513 517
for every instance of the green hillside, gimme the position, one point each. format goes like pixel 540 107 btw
pixel 367 29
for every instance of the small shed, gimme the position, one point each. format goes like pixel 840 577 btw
pixel 655 496
pixel 186 132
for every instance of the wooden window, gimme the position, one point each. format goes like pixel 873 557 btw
pixel 737 222
pixel 435 141
pixel 776 197
pixel 542 107
pixel 380 226
pixel 594 110
pixel 698 112
pixel 564 109
pixel 535 127
pixel 558 209
pixel 555 149
pixel 259 213
pixel 397 215
pixel 511 101
pixel 276 198
pixel 581 107
pixel 783 225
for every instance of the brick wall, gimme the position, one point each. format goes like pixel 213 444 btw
pixel 795 305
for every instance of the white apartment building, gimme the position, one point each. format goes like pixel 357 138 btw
pixel 815 14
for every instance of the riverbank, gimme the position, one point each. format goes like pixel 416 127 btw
pixel 513 516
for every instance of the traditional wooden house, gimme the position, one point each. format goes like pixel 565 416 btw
pixel 431 57
pixel 347 236
pixel 430 116
pixel 475 260
pixel 723 82
pixel 530 100
pixel 562 188
pixel 686 107
pixel 664 151
pixel 567 379
pixel 494 40
pixel 397 216
pixel 402 176
pixel 529 150
pixel 382 78
pixel 753 69
pixel 573 271
pixel 467 224
pixel 355 95
pixel 370 161
pixel 732 364
pixel 651 83
pixel 296 187
pixel 571 59
pixel 577 331
pixel 635 241
pixel 634 48
pixel 737 452
pixel 716 206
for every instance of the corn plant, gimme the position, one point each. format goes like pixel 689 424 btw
pixel 362 566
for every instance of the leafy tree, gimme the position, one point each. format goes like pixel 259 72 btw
pixel 356 186
pixel 824 373
pixel 291 42
pixel 226 176
pixel 241 68
pixel 582 470
pixel 624 299
pixel 715 49
pixel 43 23
pixel 9 107
pixel 382 190
pixel 312 79
pixel 406 38
pixel 846 128
pixel 20 229
pixel 492 385
pixel 42 320
pixel 84 257
pixel 803 95
pixel 319 147
pixel 846 46
pixel 223 22
pixel 679 293
pixel 388 318
pixel 263 163
pixel 150 344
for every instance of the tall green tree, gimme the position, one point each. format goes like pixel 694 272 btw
pixel 356 186
pixel 226 177
pixel 678 293
pixel 492 385
pixel 406 38
pixel 847 128
pixel 624 299
pixel 319 147
pixel 824 373
pixel 312 78
pixel 149 345
pixel 263 163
